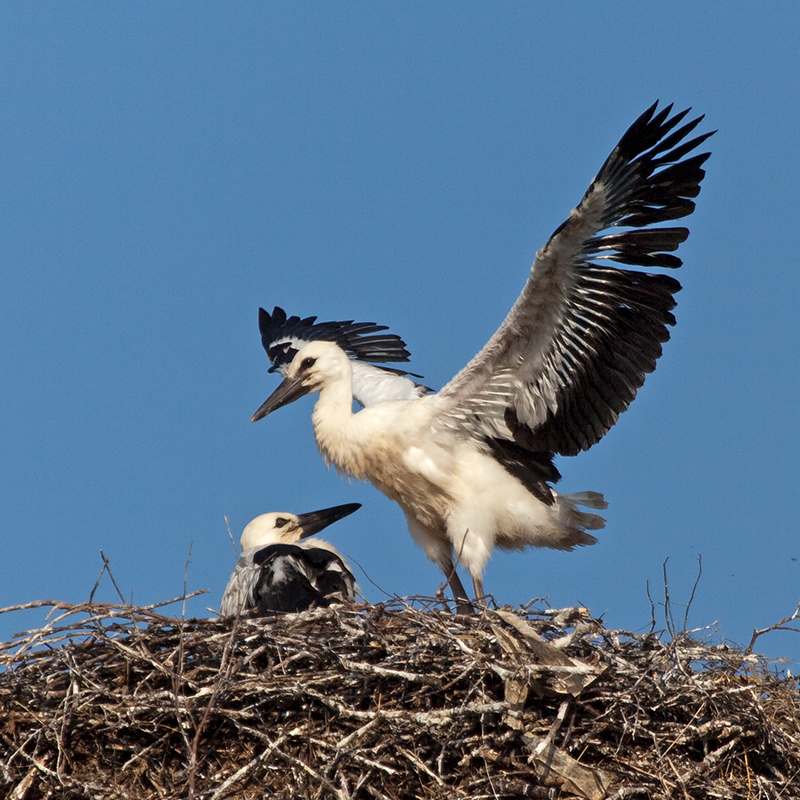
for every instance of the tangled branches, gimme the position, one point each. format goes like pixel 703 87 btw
pixel 389 701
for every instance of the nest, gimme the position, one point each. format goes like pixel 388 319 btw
pixel 387 701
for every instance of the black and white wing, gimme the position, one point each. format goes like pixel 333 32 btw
pixel 294 578
pixel 286 578
pixel 283 336
pixel 578 342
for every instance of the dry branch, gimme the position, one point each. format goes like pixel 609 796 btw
pixel 388 701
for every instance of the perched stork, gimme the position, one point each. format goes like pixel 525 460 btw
pixel 278 571
pixel 472 465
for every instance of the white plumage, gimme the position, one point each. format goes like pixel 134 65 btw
pixel 471 466
pixel 281 570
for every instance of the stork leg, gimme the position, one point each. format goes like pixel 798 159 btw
pixel 477 583
pixel 463 606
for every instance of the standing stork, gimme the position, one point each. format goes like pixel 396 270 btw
pixel 471 466
pixel 280 569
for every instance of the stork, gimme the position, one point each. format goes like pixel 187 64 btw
pixel 281 569
pixel 471 466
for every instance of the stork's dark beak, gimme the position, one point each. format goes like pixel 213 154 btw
pixel 289 390
pixel 315 521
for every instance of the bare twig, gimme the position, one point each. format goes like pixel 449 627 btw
pixel 694 589
pixel 230 536
pixel 99 577
pixel 652 607
pixel 783 625
pixel 107 567
pixel 112 701
pixel 186 577
pixel 668 618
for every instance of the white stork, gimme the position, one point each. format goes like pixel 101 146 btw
pixel 279 571
pixel 472 465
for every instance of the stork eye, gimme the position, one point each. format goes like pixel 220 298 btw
pixel 308 363
pixel 280 522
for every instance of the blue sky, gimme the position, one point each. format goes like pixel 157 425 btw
pixel 165 169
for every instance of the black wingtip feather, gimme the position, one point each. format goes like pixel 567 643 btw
pixel 620 319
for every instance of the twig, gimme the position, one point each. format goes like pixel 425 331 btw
pixel 240 773
pixel 230 536
pixel 366 575
pixel 337 702
pixel 778 626
pixel 186 578
pixel 99 577
pixel 652 607
pixel 107 567
pixel 694 588
pixel 667 603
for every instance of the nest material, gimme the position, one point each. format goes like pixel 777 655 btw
pixel 386 701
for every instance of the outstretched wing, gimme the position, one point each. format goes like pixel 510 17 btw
pixel 578 342
pixel 283 336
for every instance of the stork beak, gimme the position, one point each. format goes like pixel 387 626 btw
pixel 287 392
pixel 315 521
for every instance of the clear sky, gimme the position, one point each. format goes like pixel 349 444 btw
pixel 165 169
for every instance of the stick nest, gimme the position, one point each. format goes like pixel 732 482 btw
pixel 387 701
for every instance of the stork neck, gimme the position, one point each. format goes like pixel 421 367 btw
pixel 335 400
pixel 335 428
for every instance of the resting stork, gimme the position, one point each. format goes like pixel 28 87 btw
pixel 471 466
pixel 278 571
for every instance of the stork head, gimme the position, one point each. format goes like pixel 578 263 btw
pixel 281 527
pixel 315 365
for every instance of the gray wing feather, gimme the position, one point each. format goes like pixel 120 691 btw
pixel 579 340
pixel 240 591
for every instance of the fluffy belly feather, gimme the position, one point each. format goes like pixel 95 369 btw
pixel 456 496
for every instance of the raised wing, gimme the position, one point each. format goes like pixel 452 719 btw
pixel 283 336
pixel 578 342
